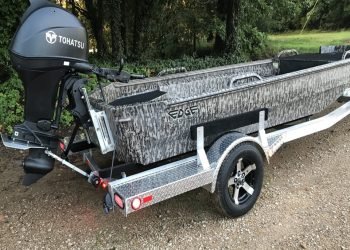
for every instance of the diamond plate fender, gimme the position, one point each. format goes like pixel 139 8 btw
pixel 217 157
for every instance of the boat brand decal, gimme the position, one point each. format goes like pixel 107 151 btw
pixel 52 38
pixel 183 113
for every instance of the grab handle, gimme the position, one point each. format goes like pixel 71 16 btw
pixel 288 51
pixel 246 76
pixel 172 71
pixel 345 55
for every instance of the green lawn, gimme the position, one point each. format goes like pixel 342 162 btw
pixel 308 41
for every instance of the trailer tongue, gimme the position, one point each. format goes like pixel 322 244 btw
pixel 177 132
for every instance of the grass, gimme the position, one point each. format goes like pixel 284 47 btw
pixel 309 41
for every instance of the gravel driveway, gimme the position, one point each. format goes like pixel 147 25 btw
pixel 305 204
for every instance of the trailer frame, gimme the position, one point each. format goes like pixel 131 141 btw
pixel 141 190
pixel 167 181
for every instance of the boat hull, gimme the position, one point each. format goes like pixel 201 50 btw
pixel 160 129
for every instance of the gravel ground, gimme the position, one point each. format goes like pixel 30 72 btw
pixel 304 205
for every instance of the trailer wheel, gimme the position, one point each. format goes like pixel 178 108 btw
pixel 239 181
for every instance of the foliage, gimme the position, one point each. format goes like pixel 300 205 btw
pixel 153 35
pixel 286 15
pixel 148 29
pixel 8 24
pixel 11 109
pixel 331 14
pixel 308 42
pixel 189 23
pixel 66 119
pixel 151 68
pixel 11 90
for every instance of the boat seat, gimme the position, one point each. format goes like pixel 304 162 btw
pixel 334 48
pixel 304 61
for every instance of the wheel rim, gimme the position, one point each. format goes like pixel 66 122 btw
pixel 241 183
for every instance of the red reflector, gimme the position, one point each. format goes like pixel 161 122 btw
pixel 62 146
pixel 136 203
pixel 147 198
pixel 104 184
pixel 119 201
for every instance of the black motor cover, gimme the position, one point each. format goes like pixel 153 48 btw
pixel 50 35
pixel 47 42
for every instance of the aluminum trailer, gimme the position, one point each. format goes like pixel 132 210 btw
pixel 232 168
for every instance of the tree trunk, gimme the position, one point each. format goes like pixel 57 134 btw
pixel 233 7
pixel 222 10
pixel 136 30
pixel 115 24
pixel 194 42
pixel 96 18
pixel 219 44
pixel 101 44
pixel 73 6
pixel 123 27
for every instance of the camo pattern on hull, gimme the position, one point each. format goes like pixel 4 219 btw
pixel 216 76
pixel 160 129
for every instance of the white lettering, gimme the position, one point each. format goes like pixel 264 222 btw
pixel 70 42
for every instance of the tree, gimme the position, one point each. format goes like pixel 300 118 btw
pixel 228 11
pixel 95 13
pixel 232 13
pixel 115 19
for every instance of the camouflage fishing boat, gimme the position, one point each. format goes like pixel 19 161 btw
pixel 154 119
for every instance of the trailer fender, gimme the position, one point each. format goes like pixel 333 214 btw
pixel 216 157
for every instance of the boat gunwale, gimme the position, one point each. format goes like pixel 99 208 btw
pixel 266 81
pixel 155 79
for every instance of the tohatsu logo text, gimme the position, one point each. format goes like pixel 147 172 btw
pixel 52 38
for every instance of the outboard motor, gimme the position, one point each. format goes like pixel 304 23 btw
pixel 47 43
pixel 48 51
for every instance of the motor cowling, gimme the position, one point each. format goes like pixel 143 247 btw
pixel 47 42
pixel 50 35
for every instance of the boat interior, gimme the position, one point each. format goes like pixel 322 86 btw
pixel 194 84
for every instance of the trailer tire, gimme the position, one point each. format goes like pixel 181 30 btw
pixel 239 180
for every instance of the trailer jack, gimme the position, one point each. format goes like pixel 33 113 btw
pixel 108 204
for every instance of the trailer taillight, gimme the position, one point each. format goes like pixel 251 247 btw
pixel 118 201
pixel 147 199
